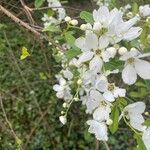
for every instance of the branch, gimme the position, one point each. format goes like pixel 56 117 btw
pixel 27 26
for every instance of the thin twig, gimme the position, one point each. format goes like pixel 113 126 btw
pixel 106 146
pixel 97 144
pixel 27 26
pixel 8 122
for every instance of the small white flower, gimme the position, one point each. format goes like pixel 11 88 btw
pixel 134 112
pixel 134 65
pixel 99 129
pixel 144 10
pixel 63 119
pixel 146 138
pixel 68 74
pixel 110 91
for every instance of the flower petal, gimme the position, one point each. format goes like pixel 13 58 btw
pixel 86 56
pixel 142 68
pixel 91 41
pixel 129 75
pixel 109 96
pixel 96 64
pixel 103 42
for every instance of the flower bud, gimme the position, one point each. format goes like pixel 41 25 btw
pixel 63 119
pixel 112 51
pixel 74 22
pixel 79 82
pixel 122 50
pixel 76 99
pixel 67 19
pixel 109 122
pixel 65 105
pixel 83 27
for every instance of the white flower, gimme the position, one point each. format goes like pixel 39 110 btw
pixel 110 25
pixel 63 119
pixel 133 112
pixel 102 112
pixel 110 91
pixel 134 65
pixel 99 129
pixel 63 90
pixel 74 22
pixel 68 74
pixel 93 49
pixel 146 138
pixel 144 10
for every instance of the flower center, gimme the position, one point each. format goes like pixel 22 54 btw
pixel 111 87
pixel 103 103
pixel 102 31
pixel 130 61
pixel 98 52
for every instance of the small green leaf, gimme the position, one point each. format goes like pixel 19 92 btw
pixel 115 117
pixel 50 12
pixel 87 16
pixel 38 3
pixel 25 53
pixel 72 53
pixel 52 28
pixel 42 76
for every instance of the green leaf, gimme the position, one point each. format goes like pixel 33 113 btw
pixel 52 28
pixel 141 145
pixel 70 39
pixel 38 3
pixel 50 12
pixel 87 16
pixel 72 53
pixel 42 76
pixel 147 122
pixel 25 53
pixel 115 117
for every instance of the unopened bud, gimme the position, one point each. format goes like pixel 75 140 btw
pixel 67 19
pixel 83 27
pixel 79 82
pixel 109 122
pixel 122 50
pixel 76 99
pixel 65 105
pixel 74 22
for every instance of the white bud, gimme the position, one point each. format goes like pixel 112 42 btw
pixel 74 22
pixel 146 113
pixel 63 119
pixel 109 122
pixel 62 112
pixel 56 41
pixel 122 50
pixel 130 14
pixel 67 19
pixel 79 82
pixel 112 51
pixel 133 49
pixel 83 27
pixel 65 105
pixel 76 99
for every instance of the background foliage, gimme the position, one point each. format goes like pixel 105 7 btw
pixel 27 95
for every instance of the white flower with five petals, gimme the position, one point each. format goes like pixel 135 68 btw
pixel 135 66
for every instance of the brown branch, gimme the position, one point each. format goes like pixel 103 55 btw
pixel 96 144
pixel 27 11
pixel 106 146
pixel 27 26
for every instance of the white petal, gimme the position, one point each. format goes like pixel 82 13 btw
pixel 91 41
pixel 102 85
pixel 57 87
pixel 109 96
pixel 86 56
pixel 142 68
pixel 119 92
pixel 146 138
pixel 102 113
pixel 129 75
pixel 132 33
pixel 80 43
pixel 96 64
pixel 97 96
pixel 103 42
pixel 136 108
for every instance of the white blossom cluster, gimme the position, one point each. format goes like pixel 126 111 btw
pixel 92 82
pixel 56 6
